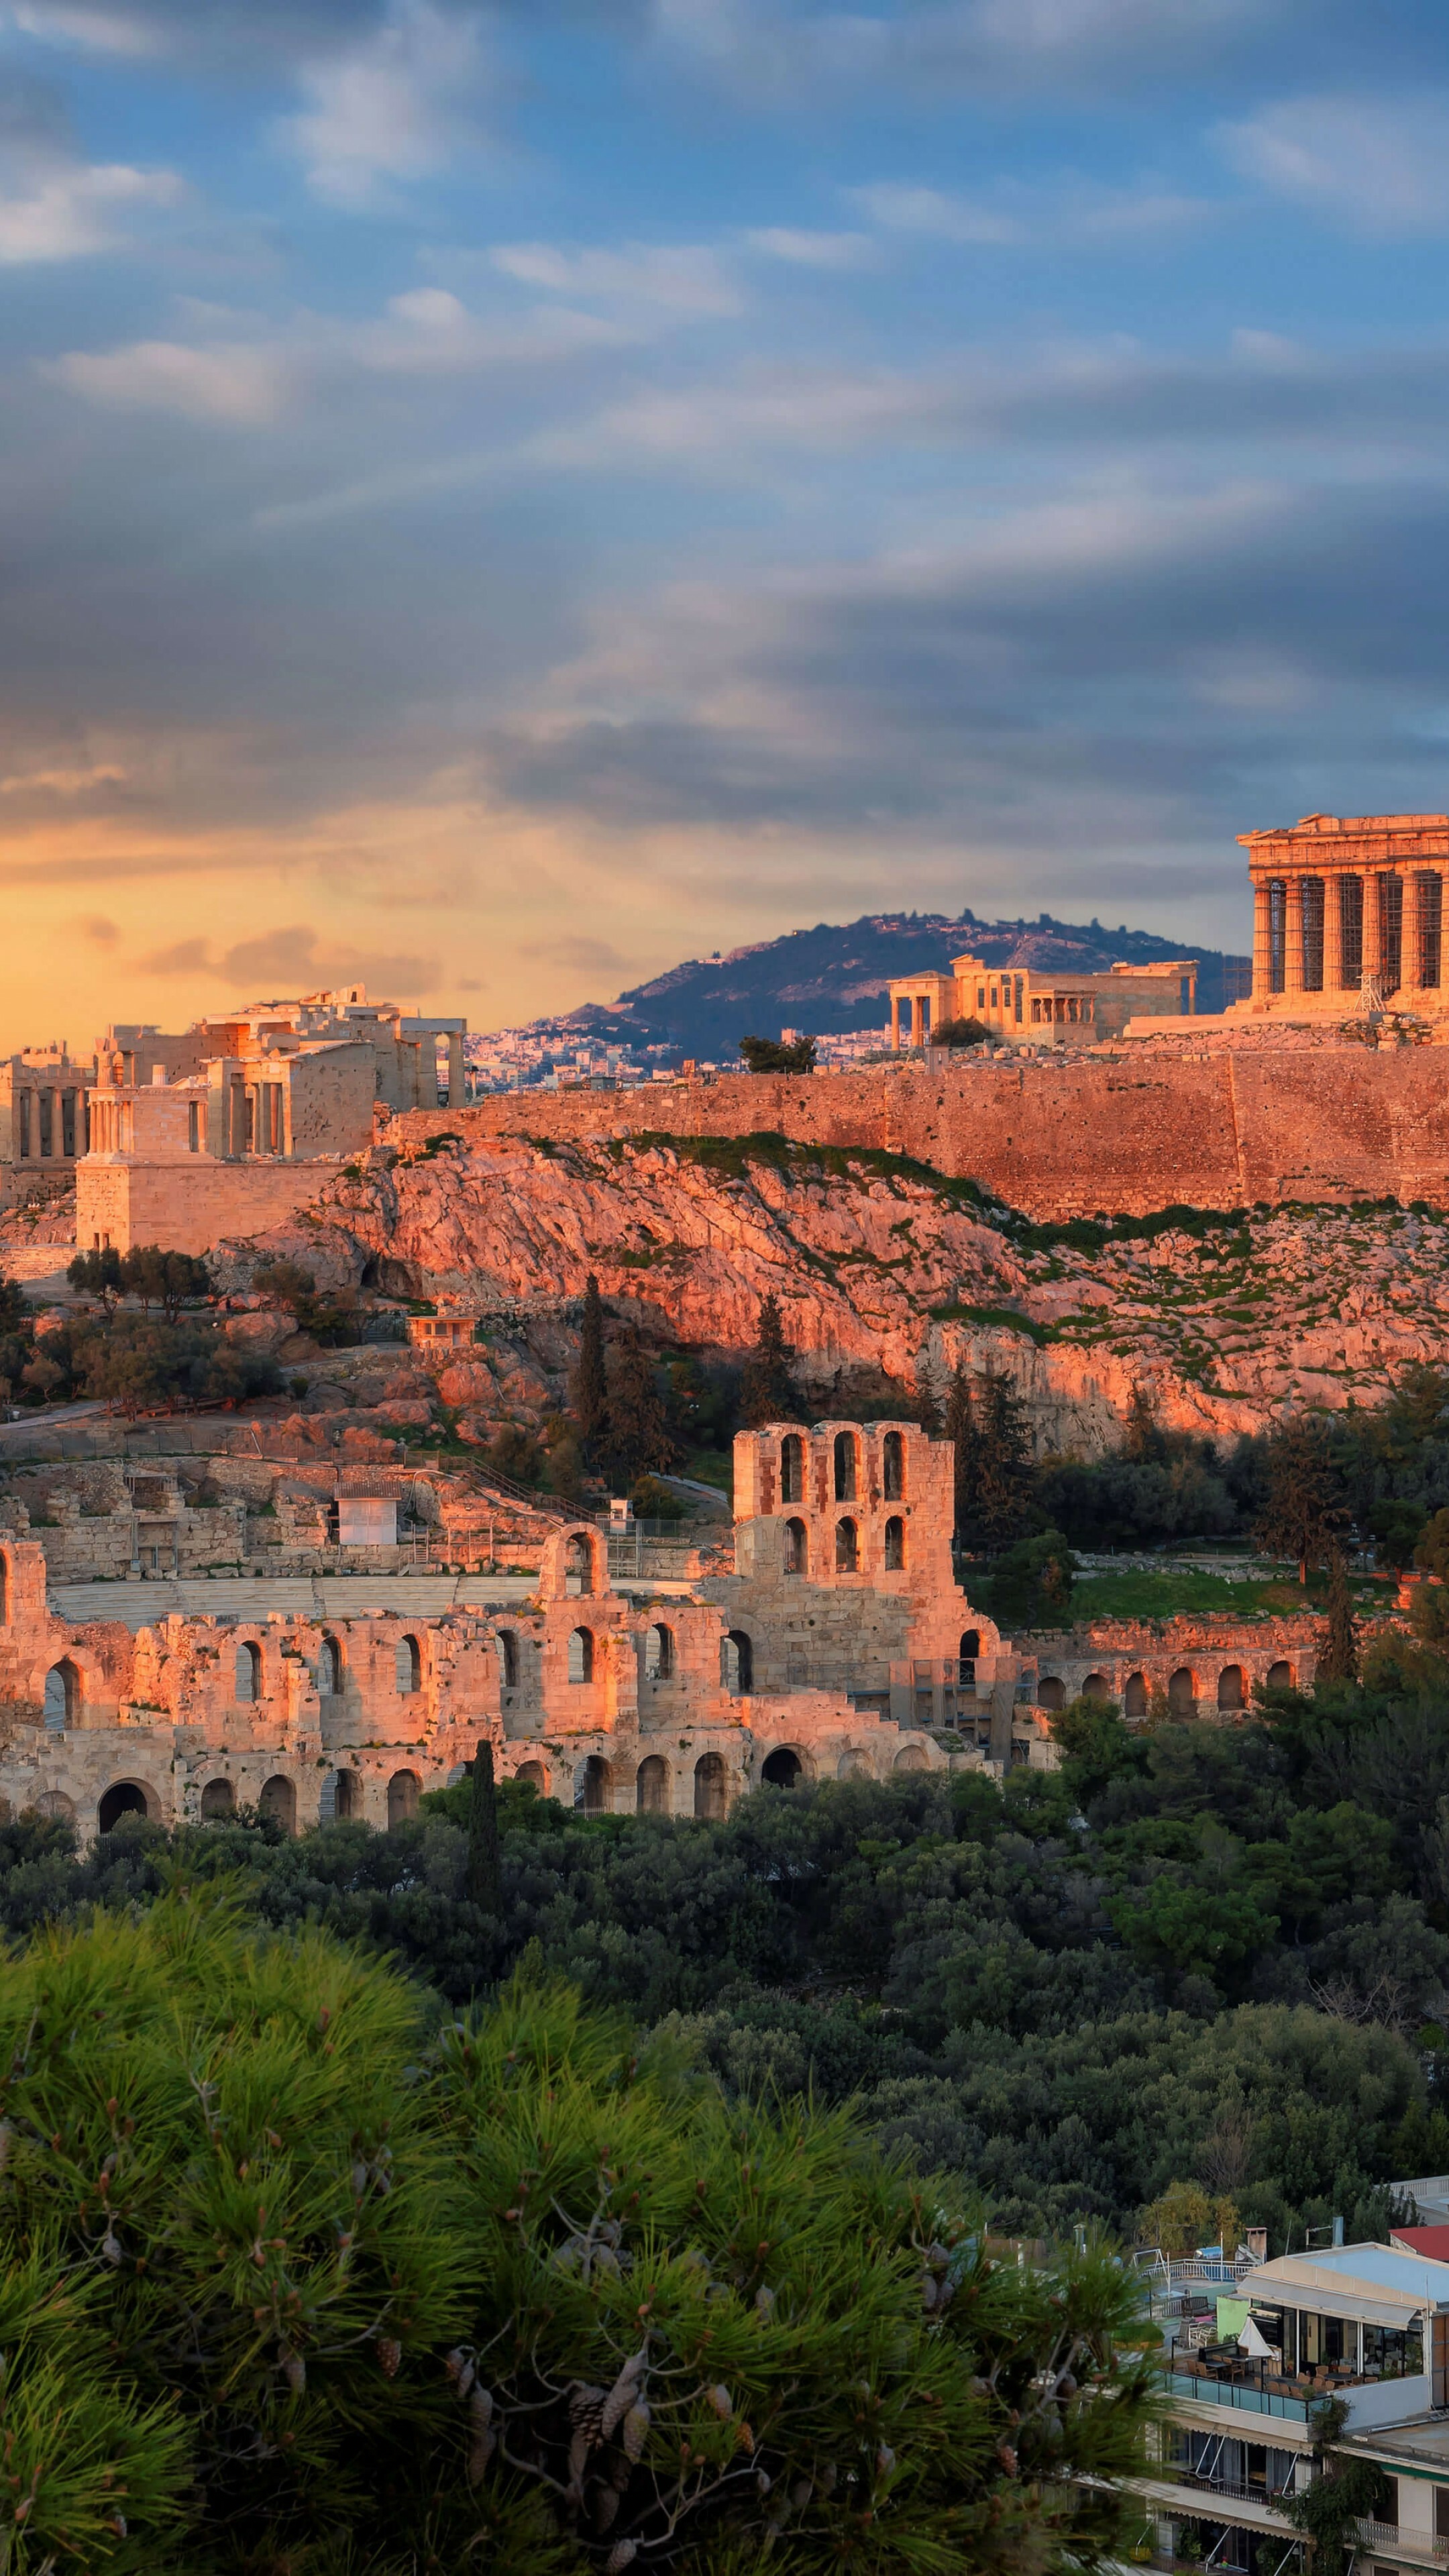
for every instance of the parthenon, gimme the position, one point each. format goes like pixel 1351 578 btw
pixel 1347 903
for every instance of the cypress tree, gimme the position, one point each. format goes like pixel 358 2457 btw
pixel 484 1882
pixel 588 1387
pixel 636 1436
pixel 996 1469
pixel 767 1393
pixel 1339 1659
pixel 961 1432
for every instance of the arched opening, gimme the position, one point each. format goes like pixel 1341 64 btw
pixel 792 1468
pixel 55 1807
pixel 279 1802
pixel 737 1663
pixel 329 1669
pixel 1134 1697
pixel 248 1672
pixel 1230 1686
pixel 1182 1692
pixel 651 1789
pixel 659 1653
pixel 847 1548
pixel 594 1787
pixel 403 1792
pixel 1051 1692
pixel 797 1548
pixel 709 1786
pixel 893 1467
pixel 895 1544
pixel 347 1796
pixel 581 1655
pixel 218 1799
pixel 912 1757
pixel 409 1666
pixel 579 1563
pixel 853 1766
pixel 62 1695
pixel 126 1798
pixel 536 1776
pixel 969 1650
pixel 507 1645
pixel 781 1768
pixel 1280 1677
pixel 845 1467
pixel 1096 1686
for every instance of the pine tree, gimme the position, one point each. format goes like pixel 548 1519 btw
pixel 1304 1511
pixel 767 1393
pixel 636 1439
pixel 483 1866
pixel 1339 1659
pixel 928 1409
pixel 998 1467
pixel 588 1386
pixel 1143 1438
pixel 961 1432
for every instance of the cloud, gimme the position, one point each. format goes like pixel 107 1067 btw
pixel 1378 165
pixel 578 956
pixel 910 209
pixel 392 109
pixel 686 280
pixel 64 783
pixel 294 958
pixel 70 213
pixel 1063 214
pixel 813 250
pixel 98 928
pixel 238 386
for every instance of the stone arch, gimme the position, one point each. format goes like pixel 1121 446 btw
pixel 507 1644
pixel 1279 1676
pixel 853 1765
pixel 792 1468
pixel 62 1695
pixel 403 1791
pixel 782 1768
pixel 847 1467
pixel 659 1654
pixel 536 1776
pixel 1096 1686
pixel 797 1548
pixel 579 1562
pixel 581 1655
pixel 895 1544
pixel 218 1800
pixel 847 1547
pixel 56 1807
pixel 737 1663
pixel 1182 1691
pixel 329 1668
pixel 409 1666
pixel 126 1798
pixel 893 1467
pixel 248 1681
pixel 711 1787
pixel 651 1787
pixel 966 1659
pixel 594 1786
pixel 1051 1691
pixel 347 1796
pixel 1135 1696
pixel 911 1757
pixel 1231 1693
pixel 279 1801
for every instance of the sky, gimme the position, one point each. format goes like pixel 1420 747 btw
pixel 497 500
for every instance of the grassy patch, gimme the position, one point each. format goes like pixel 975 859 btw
pixel 1183 1592
pixel 712 1467
pixel 1007 1318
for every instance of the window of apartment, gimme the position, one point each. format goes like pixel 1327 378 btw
pixel 1389 2353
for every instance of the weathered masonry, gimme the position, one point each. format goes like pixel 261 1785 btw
pixel 1340 902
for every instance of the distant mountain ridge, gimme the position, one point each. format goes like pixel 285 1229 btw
pixel 836 976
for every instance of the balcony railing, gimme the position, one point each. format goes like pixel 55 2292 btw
pixel 1206 2391
pixel 1173 2475
pixel 1388 2537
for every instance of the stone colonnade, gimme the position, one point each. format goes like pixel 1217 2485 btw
pixel 1329 930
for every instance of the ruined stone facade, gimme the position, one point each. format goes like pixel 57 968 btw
pixel 1348 905
pixel 1035 1007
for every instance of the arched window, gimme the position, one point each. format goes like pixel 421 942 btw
pixel 279 1801
pixel 1230 1686
pixel 893 1467
pixel 1280 1677
pixel 507 1645
pixel 218 1799
pixel 1096 1686
pixel 853 1766
pixel 781 1768
pixel 409 1666
pixel 329 1669
pixel 709 1786
pixel 248 1672
pixel 1051 1692
pixel 1134 1697
pixel 968 1651
pixel 581 1655
pixel 579 1563
pixel 912 1757
pixel 659 1654
pixel 62 1696
pixel 347 1795
pixel 895 1544
pixel 845 1476
pixel 737 1663
pixel 1182 1692
pixel 127 1798
pixel 594 1787
pixel 652 1786
pixel 55 1807
pixel 535 1776
pixel 847 1548
pixel 402 1797
pixel 792 1468
pixel 797 1548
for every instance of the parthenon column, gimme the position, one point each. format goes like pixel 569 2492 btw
pixel 1293 935
pixel 1262 943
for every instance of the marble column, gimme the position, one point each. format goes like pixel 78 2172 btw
pixel 1293 936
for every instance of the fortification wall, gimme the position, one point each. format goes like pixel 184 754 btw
pixel 188 1206
pixel 1126 1132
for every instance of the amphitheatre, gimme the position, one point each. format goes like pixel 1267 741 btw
pixel 1236 1216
